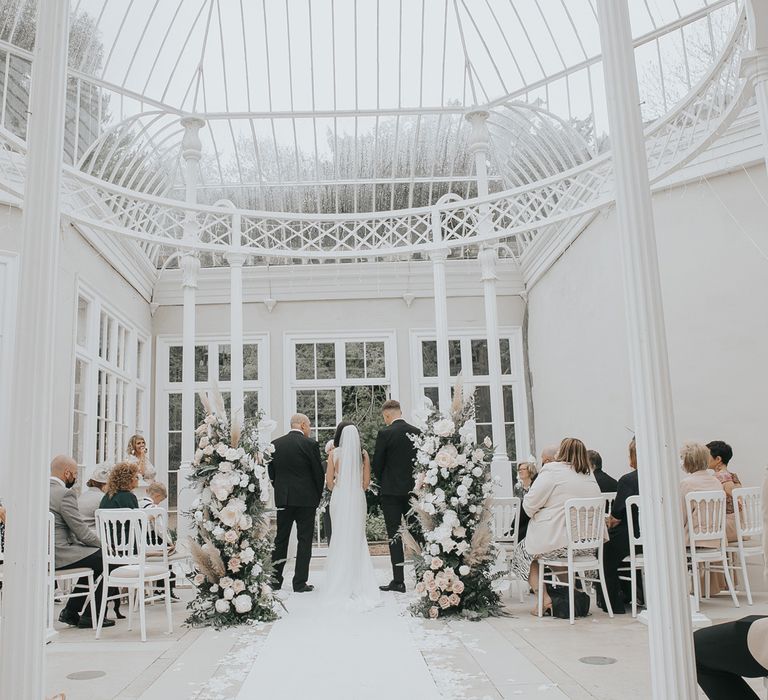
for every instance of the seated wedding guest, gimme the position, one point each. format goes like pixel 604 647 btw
pixel 695 462
pixel 137 454
pixel 75 544
pixel 526 475
pixel 90 498
pixel 617 547
pixel 720 453
pixel 122 480
pixel 569 476
pixel 156 494
pixel 605 481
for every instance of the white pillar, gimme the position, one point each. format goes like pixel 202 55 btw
pixel 670 640
pixel 438 257
pixel 22 659
pixel 190 266
pixel 754 63
pixel 236 258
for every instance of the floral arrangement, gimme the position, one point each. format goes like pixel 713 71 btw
pixel 232 548
pixel 452 501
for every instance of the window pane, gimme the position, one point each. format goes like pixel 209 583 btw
pixel 250 404
pixel 429 357
pixel 305 361
pixel 103 329
pixel 305 403
pixel 326 408
pixel 326 360
pixel 174 451
pixel 431 392
pixel 362 403
pixel 225 363
pixel 484 431
pixel 199 411
pixel 509 404
pixel 174 412
pixel 480 357
pixel 79 385
pixel 201 363
pixel 454 357
pixel 175 363
pixel 511 446
pixel 173 482
pixel 250 362
pixel 139 411
pixel 483 404
pixel 506 357
pixel 374 360
pixel 82 321
pixel 355 360
pixel 140 359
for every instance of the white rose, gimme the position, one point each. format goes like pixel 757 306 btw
pixel 230 514
pixel 232 455
pixel 444 473
pixel 247 556
pixel 243 603
pixel 208 451
pixel 209 525
pixel 205 496
pixel 444 427
pixel 199 578
pixel 221 486
pixel 478 456
pixel 446 457
pixel 221 450
pixel 229 593
pixel 204 441
pixel 238 586
pixel 219 532
pixel 467 432
pixel 454 501
pixel 210 419
pixel 462 547
pixel 463 569
pixel 199 516
pixel 460 532
pixel 198 456
pixel 477 471
pixel 434 549
pixel 225 467
pixel 251 487
pixel 240 453
pixel 431 480
pixel 423 458
pixel 462 491
pixel 245 522
pixel 222 605
pixel 488 442
pixel 214 588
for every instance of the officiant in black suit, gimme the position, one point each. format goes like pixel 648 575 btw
pixel 393 466
pixel 296 472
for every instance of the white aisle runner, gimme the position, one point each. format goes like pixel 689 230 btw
pixel 316 653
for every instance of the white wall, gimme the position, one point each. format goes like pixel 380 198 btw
pixel 715 288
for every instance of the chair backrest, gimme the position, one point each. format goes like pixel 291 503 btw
pixel 506 519
pixel 633 520
pixel 706 515
pixel 748 511
pixel 123 533
pixel 158 538
pixel 610 497
pixel 585 522
pixel 51 547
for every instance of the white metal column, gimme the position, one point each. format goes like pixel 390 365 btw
pixel 22 659
pixel 754 64
pixel 190 266
pixel 438 257
pixel 235 258
pixel 670 639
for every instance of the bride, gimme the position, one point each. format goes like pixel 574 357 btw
pixel 350 579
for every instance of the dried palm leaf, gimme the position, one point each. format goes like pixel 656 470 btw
pixel 217 563
pixel 237 427
pixel 409 542
pixel 457 405
pixel 207 560
pixel 206 403
pixel 482 540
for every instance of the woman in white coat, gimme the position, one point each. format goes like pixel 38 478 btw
pixel 569 476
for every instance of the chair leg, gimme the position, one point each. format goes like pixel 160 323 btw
pixel 130 608
pixel 604 588
pixel 633 583
pixel 707 579
pixel 168 612
pixel 729 582
pixel 103 609
pixel 142 612
pixel 745 576
pixel 696 582
pixel 571 591
pixel 92 598
pixel 541 588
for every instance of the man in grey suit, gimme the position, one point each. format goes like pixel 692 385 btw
pixel 76 545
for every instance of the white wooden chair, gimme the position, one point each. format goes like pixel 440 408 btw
pixel 585 529
pixel 506 527
pixel 610 497
pixel 635 559
pixel 705 511
pixel 748 513
pixel 124 547
pixel 67 580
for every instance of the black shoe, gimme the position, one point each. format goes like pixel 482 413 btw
pixel 68 617
pixel 397 586
pixel 87 623
pixel 306 588
pixel 118 614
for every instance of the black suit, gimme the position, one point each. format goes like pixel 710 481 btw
pixel 605 481
pixel 296 472
pixel 393 467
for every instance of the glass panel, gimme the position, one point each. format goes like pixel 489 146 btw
pixel 140 359
pixel 355 360
pixel 173 482
pixel 174 411
pixel 174 451
pixel 511 446
pixel 483 404
pixel 484 431
pixel 225 363
pixel 429 358
pixel 250 404
pixel 431 392
pixel 79 385
pixel 82 321
pixel 361 404
pixel 326 360
pixel 139 411
pixel 375 360
pixel 506 357
pixel 305 361
pixel 175 363
pixel 479 357
pixel 508 393
pixel 326 408
pixel 103 335
pixel 305 403
pixel 250 362
pixel 121 347
pixel 201 363
pixel 454 357
pixel 78 433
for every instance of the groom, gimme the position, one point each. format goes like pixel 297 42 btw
pixel 296 472
pixel 393 466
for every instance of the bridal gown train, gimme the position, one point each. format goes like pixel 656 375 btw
pixel 350 581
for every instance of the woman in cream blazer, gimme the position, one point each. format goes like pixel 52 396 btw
pixel 569 476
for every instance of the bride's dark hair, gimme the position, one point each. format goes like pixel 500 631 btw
pixel 339 429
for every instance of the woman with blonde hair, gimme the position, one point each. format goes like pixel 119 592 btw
pixel 569 476
pixel 137 454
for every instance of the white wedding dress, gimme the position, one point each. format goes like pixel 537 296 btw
pixel 350 582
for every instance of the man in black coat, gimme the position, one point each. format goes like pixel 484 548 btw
pixel 393 467
pixel 296 472
pixel 605 481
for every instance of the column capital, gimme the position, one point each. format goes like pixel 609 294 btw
pixel 235 259
pixel 438 255
pixel 487 258
pixel 754 66
pixel 191 145
pixel 479 140
pixel 190 268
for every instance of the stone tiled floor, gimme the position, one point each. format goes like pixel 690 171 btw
pixel 518 656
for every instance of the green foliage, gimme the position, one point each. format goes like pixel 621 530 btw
pixel 375 529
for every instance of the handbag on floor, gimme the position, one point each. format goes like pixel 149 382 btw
pixel 560 603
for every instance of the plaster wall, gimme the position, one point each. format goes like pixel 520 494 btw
pixel 715 287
